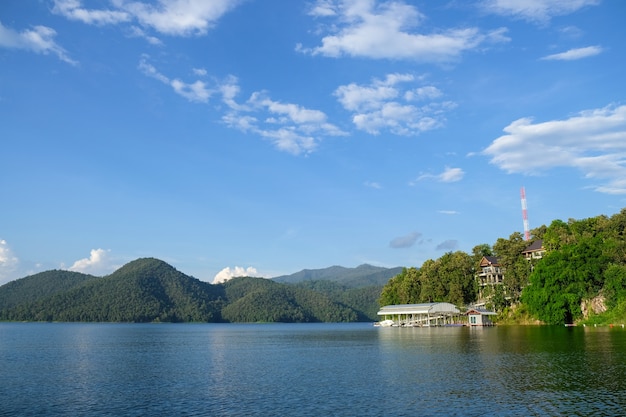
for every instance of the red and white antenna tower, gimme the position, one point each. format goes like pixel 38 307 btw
pixel 525 215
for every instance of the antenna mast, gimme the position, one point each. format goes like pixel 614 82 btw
pixel 525 215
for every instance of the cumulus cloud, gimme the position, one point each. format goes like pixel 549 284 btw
pixel 535 11
pixel 168 17
pixel 388 30
pixel 574 54
pixel 448 245
pixel 98 263
pixel 592 141
pixel 238 271
pixel 8 262
pixel 448 175
pixel 389 104
pixel 405 241
pixel 39 39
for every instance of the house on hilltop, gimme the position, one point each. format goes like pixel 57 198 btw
pixel 535 250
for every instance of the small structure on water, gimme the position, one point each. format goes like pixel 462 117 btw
pixel 479 317
pixel 420 315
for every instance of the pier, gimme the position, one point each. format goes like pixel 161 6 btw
pixel 421 315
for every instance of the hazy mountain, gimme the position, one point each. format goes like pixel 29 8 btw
pixel 362 276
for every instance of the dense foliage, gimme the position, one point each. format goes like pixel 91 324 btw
pixel 149 290
pixel 585 259
pixel 449 278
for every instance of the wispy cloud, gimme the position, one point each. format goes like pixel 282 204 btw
pixel 39 39
pixel 573 54
pixel 373 184
pixel 197 91
pixel 593 142
pixel 535 11
pixel 405 241
pixel 395 104
pixel 448 175
pixel 290 127
pixel 167 17
pixel 98 263
pixel 74 10
pixel 449 212
pixel 388 30
pixel 448 245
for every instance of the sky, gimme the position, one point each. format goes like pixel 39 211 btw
pixel 263 137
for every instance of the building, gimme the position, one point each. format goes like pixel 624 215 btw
pixel 490 273
pixel 535 250
pixel 418 315
pixel 479 317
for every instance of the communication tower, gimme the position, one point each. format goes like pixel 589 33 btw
pixel 525 215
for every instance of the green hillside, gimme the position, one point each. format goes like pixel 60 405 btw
pixel 262 300
pixel 144 290
pixel 40 286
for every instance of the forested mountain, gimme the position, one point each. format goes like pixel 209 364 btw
pixel 150 290
pixel 362 276
pixel 39 286
pixel 144 290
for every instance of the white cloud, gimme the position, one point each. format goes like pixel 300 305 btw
pixel 373 184
pixel 178 17
pixel 405 241
pixel 98 263
pixel 386 31
pixel 197 91
pixel 448 212
pixel 536 11
pixel 386 105
pixel 39 39
pixel 290 127
pixel 200 72
pixel 168 17
pixel 73 10
pixel 238 271
pixel 8 262
pixel 573 54
pixel 593 142
pixel 448 175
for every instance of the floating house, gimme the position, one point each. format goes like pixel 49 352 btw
pixel 479 317
pixel 420 315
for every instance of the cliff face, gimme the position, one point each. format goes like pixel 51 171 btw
pixel 596 305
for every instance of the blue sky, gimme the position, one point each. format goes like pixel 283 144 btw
pixel 262 137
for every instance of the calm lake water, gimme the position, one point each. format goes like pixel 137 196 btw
pixel 309 370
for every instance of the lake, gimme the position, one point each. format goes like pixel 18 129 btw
pixel 63 369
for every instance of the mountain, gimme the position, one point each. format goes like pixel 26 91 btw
pixel 362 276
pixel 263 300
pixel 144 290
pixel 40 286
pixel 150 290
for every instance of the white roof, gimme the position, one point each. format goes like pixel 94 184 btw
pixel 426 308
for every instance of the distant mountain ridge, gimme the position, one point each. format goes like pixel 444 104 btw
pixel 150 290
pixel 362 276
